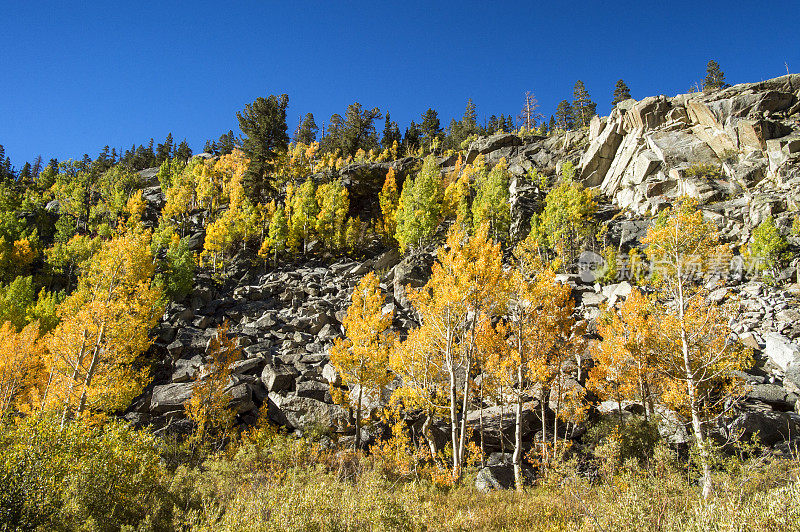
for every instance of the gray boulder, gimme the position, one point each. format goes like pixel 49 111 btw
pixel 781 351
pixel 304 413
pixel 277 378
pixel 169 397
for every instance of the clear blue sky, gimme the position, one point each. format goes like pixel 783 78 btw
pixel 79 75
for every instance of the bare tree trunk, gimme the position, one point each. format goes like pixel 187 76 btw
pixel 357 442
pixel 517 458
pixel 92 367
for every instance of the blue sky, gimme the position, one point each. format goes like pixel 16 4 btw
pixel 77 76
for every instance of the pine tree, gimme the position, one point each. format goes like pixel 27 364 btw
pixel 358 132
pixel 263 123
pixel 306 130
pixel 621 93
pixel 583 107
pixel 391 134
pixel 715 78
pixel 431 130
pixel 420 208
pixel 411 140
pixel 564 119
pixel 164 151
pixel 183 152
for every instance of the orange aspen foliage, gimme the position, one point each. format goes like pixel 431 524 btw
pixel 20 367
pixel 209 406
pixel 467 282
pixel 362 359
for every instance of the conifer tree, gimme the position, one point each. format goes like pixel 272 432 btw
pixel 391 134
pixel 715 78
pixel 306 130
pixel 358 130
pixel 528 116
pixel 420 207
pixel 431 130
pixel 582 105
pixel 621 93
pixel 263 123
pixel 564 118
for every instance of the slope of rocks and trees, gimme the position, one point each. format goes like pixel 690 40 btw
pixel 346 329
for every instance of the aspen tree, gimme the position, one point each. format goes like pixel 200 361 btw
pixel 437 360
pixel 389 199
pixel 694 351
pixel 209 408
pixel 491 201
pixel 419 212
pixel 362 358
pixel 334 202
pixel 20 366
pixel 105 327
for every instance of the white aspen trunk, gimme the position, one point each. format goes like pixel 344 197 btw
pixel 517 458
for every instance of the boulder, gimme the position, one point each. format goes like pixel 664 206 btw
pixel 241 398
pixel 277 378
pixel 169 397
pixel 772 394
pixel 304 413
pixel 499 474
pixel 770 427
pixel 781 351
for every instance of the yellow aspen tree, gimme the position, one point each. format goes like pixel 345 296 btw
pixel 362 358
pixel 304 209
pixel 694 348
pixel 181 198
pixel 92 355
pixel 208 189
pixel 623 358
pixel 20 367
pixel 466 282
pixel 209 408
pixel 389 198
pixel 334 202
pixel 540 328
pixel 456 198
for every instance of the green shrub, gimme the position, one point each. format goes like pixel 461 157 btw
pixel 708 171
pixel 768 248
pixel 90 476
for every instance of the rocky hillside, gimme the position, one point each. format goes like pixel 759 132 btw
pixel 736 150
